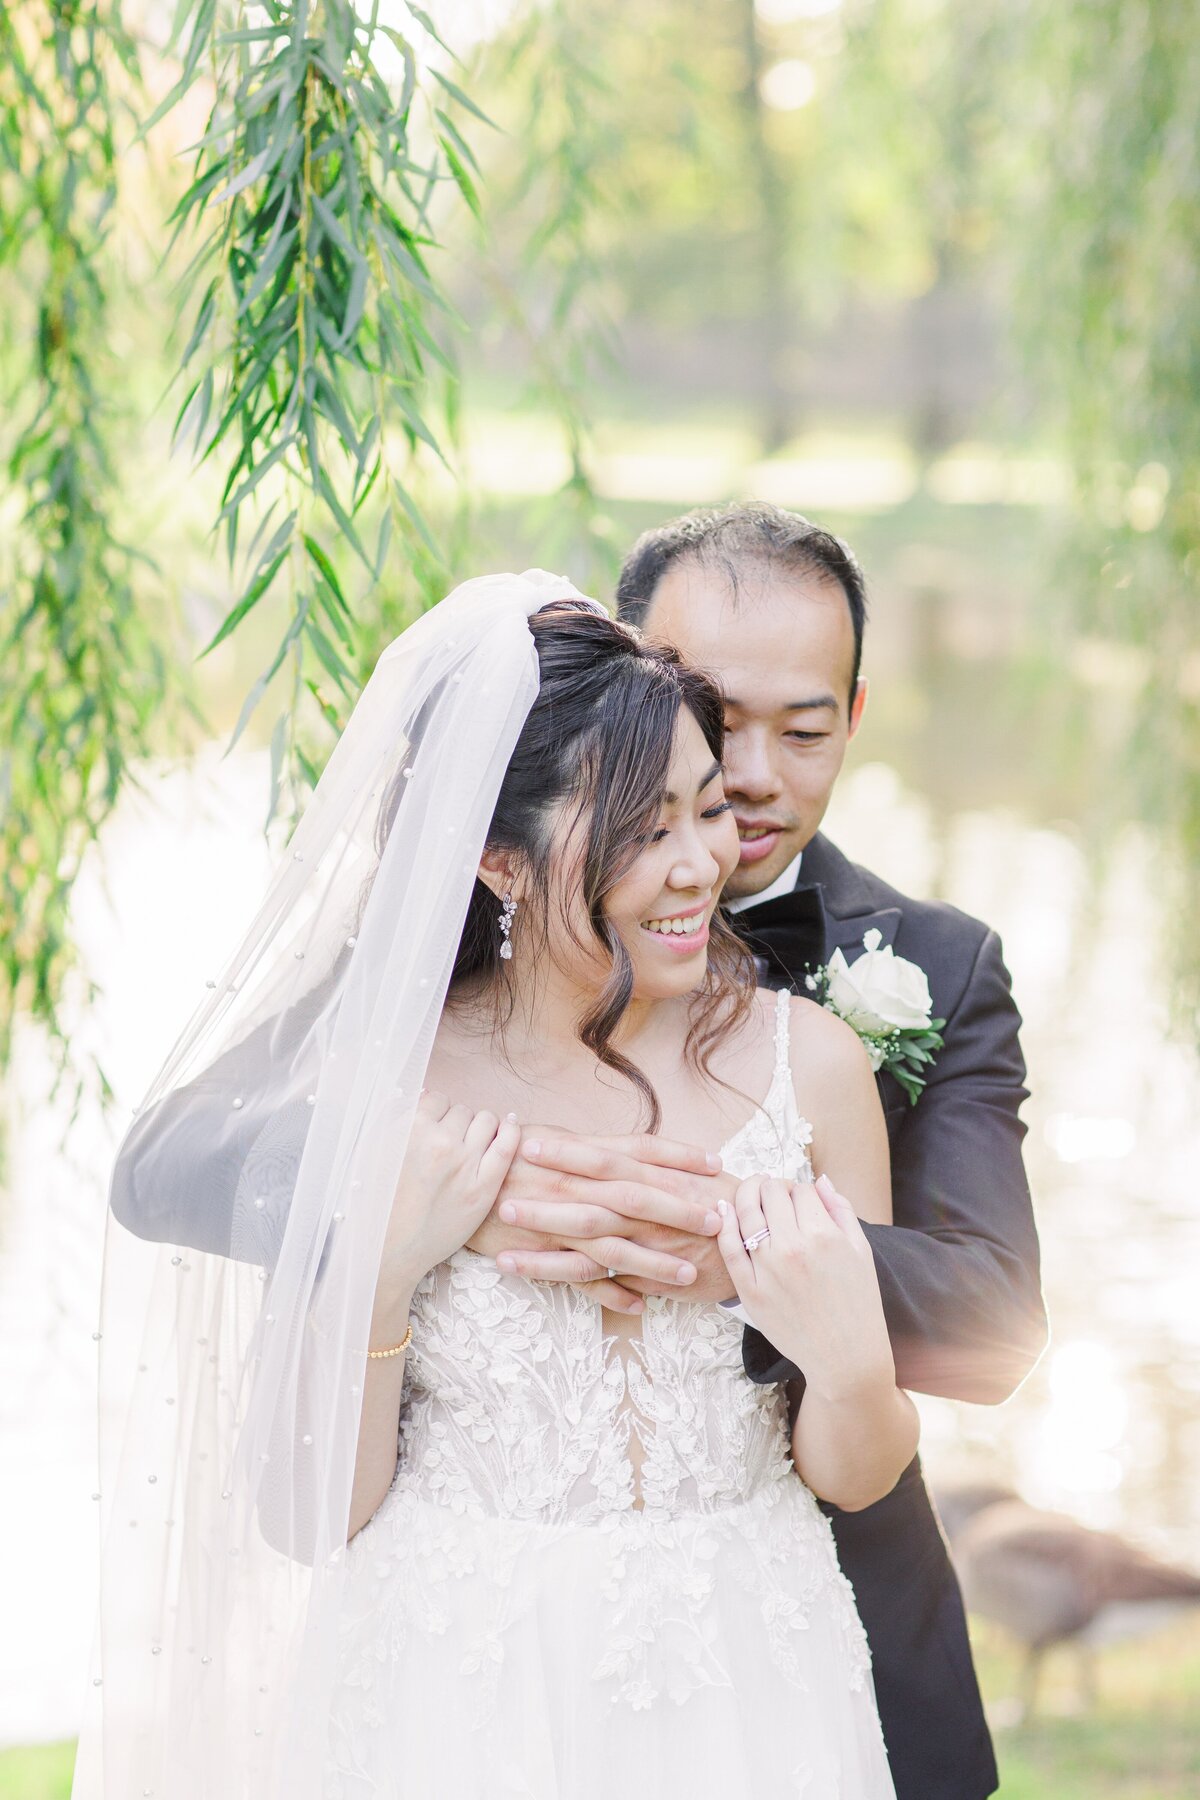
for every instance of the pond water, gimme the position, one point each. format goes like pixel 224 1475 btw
pixel 1108 1427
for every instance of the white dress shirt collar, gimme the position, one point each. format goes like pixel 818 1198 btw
pixel 782 885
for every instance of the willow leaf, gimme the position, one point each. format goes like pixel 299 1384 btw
pixel 464 149
pixel 328 657
pixel 256 167
pixel 197 44
pixel 326 490
pixel 249 707
pixel 248 601
pixel 464 100
pixel 466 186
pixel 326 568
pixel 248 486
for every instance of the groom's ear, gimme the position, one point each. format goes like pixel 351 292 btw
pixel 858 705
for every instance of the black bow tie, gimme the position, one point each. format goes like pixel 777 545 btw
pixel 787 933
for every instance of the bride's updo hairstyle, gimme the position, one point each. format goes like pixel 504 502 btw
pixel 595 751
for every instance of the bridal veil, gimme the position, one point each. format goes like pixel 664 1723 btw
pixel 249 1204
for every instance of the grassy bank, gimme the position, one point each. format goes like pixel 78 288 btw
pixel 1142 1741
pixel 40 1773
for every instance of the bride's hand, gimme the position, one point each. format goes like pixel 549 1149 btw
pixel 453 1169
pixel 809 1286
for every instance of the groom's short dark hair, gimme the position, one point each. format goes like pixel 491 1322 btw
pixel 734 539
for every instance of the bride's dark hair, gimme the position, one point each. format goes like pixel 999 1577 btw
pixel 600 734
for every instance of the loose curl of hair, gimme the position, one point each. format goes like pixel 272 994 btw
pixel 599 740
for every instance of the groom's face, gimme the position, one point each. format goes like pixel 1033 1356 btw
pixel 783 651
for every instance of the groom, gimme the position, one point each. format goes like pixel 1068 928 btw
pixel 775 608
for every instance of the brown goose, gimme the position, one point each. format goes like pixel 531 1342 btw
pixel 1047 1579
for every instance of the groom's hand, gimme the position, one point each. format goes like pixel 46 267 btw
pixel 713 1280
pixel 573 1208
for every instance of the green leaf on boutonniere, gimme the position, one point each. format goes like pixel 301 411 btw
pixel 906 1052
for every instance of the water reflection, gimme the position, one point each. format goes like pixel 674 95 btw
pixel 1083 1426
pixel 1108 1427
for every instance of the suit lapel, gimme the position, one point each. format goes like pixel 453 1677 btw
pixel 849 912
pixel 849 915
pixel 847 934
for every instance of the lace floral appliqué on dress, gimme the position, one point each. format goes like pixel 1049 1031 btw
pixel 533 1611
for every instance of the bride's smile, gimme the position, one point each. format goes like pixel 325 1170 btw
pixel 691 927
pixel 663 905
pixel 611 856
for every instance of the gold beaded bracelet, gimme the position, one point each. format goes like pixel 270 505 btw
pixel 395 1350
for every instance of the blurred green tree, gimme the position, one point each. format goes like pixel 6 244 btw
pixel 770 163
pixel 557 178
pixel 1104 234
pixel 84 647
pixel 321 377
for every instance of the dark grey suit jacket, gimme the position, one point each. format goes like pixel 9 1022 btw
pixel 959 1274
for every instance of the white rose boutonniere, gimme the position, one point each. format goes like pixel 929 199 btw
pixel 886 1000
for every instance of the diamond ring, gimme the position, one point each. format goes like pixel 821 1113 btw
pixel 760 1237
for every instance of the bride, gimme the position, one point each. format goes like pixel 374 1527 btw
pixel 532 1548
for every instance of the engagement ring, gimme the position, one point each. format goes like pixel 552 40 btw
pixel 752 1243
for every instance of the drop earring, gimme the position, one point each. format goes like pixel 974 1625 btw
pixel 508 912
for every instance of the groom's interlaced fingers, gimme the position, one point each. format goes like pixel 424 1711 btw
pixel 608 1203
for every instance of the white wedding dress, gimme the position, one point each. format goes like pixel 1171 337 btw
pixel 528 1615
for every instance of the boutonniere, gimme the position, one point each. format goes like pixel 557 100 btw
pixel 886 1000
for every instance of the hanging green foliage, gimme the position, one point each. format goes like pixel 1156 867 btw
pixel 316 361
pixel 1107 242
pixel 84 663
